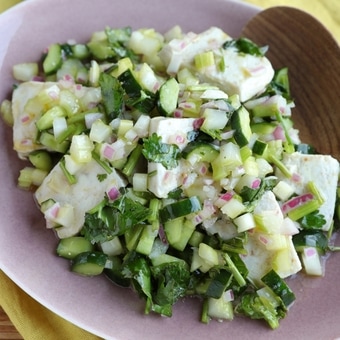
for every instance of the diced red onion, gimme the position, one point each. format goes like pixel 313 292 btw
pixel 296 177
pixel 279 133
pixel 256 70
pixel 198 123
pixel 229 295
pixel 25 119
pixel 310 251
pixel 162 235
pixel 108 151
pixel 263 239
pixel 52 212
pixel 113 193
pixel 227 196
pixel 296 201
pixel 256 183
pixel 178 113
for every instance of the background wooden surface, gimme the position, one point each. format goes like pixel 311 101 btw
pixel 7 330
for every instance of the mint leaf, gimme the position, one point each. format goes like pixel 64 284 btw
pixel 101 177
pixel 252 306
pixel 313 220
pixel 172 282
pixel 246 46
pixel 112 94
pixel 114 219
pixel 154 150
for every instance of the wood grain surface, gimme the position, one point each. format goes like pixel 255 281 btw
pixel 300 42
pixel 7 330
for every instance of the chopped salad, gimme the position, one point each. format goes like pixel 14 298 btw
pixel 170 163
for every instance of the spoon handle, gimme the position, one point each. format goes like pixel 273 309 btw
pixel 300 42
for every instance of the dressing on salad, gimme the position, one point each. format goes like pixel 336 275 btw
pixel 170 163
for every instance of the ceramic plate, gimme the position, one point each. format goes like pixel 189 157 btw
pixel 27 249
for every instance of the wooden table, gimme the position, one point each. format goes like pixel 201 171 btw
pixel 7 330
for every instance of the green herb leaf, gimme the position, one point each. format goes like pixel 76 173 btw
pixel 314 220
pixel 101 177
pixel 252 306
pixel 246 46
pixel 112 94
pixel 172 281
pixel 154 150
pixel 311 238
pixel 114 219
pixel 137 268
pixel 118 39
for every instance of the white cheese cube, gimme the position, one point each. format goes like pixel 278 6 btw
pixel 172 131
pixel 323 170
pixel 83 195
pixel 244 74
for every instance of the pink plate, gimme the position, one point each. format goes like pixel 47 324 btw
pixel 27 249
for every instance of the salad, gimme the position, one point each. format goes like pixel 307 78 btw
pixel 170 163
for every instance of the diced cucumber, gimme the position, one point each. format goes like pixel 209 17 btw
pixel 80 51
pixel 216 285
pixel 196 238
pixel 69 102
pixel 168 97
pixel 179 209
pixel 228 159
pixel 6 112
pixel 132 236
pixel 240 122
pixel 41 159
pixel 100 49
pixel 139 98
pixel 259 147
pixel 270 107
pixel 233 208
pixel 146 240
pixel 100 132
pixel 200 151
pixel 46 120
pixel 164 258
pixel 53 59
pixel 70 247
pixel 208 254
pixel 178 232
pixel 89 263
pixel 122 65
pixel 220 309
pixel 308 238
pixel 115 272
pixel 214 119
pixel 81 148
pixel 263 128
pixel 112 247
pixel 279 287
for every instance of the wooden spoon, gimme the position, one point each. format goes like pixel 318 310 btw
pixel 300 42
